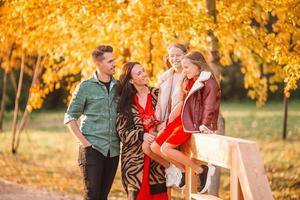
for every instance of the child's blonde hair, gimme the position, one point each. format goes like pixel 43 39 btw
pixel 180 46
pixel 196 58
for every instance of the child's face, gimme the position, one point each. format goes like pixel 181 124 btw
pixel 175 55
pixel 139 76
pixel 189 69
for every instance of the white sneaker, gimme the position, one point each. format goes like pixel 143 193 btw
pixel 173 176
pixel 178 175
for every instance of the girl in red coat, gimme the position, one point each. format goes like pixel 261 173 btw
pixel 197 112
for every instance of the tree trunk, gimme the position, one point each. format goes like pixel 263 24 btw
pixel 125 55
pixel 16 110
pixel 216 68
pixel 13 80
pixel 214 51
pixel 26 111
pixel 3 101
pixel 150 57
pixel 284 131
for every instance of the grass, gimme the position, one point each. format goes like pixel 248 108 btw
pixel 47 157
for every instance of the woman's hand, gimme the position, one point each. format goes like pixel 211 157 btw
pixel 149 138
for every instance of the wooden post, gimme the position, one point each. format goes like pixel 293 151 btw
pixel 248 178
pixel 235 188
pixel 254 182
pixel 169 191
pixel 188 183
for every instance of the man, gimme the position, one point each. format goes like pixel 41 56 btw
pixel 95 102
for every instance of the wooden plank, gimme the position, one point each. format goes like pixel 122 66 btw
pixel 204 197
pixel 248 179
pixel 212 148
pixel 251 173
pixel 188 183
pixel 169 191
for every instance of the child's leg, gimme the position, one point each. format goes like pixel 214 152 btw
pixel 170 151
pixel 156 148
pixel 147 150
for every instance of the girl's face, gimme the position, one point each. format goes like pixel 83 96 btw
pixel 175 55
pixel 139 76
pixel 189 69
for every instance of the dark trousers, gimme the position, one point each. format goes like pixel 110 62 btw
pixel 98 172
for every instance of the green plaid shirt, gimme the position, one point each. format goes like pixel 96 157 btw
pixel 98 110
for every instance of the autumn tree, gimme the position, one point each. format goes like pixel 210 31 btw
pixel 64 34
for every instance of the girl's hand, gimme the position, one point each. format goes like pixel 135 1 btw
pixel 149 138
pixel 204 129
pixel 147 121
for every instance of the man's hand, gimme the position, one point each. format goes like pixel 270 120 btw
pixel 86 144
pixel 74 128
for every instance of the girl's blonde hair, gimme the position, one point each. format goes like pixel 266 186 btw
pixel 180 46
pixel 196 58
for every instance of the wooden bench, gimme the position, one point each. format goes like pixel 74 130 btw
pixel 247 176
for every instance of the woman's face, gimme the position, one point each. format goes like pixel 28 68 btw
pixel 175 55
pixel 139 76
pixel 189 69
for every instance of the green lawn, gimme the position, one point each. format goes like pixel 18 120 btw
pixel 47 156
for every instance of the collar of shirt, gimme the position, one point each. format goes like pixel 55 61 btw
pixel 94 78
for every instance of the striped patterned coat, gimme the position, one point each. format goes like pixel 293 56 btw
pixel 132 155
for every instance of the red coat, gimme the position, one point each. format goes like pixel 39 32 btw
pixel 202 104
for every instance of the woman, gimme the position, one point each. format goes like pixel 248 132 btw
pixel 142 178
pixel 199 112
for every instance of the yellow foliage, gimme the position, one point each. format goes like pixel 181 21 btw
pixel 65 33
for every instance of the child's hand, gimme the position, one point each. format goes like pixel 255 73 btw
pixel 148 138
pixel 204 129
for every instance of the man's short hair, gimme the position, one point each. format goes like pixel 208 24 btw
pixel 99 52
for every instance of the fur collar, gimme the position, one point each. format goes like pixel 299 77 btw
pixel 204 76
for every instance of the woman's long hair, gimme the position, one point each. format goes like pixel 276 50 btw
pixel 126 92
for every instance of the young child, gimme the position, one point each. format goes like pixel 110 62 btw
pixel 198 113
pixel 166 104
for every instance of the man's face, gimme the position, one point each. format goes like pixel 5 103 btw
pixel 107 65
